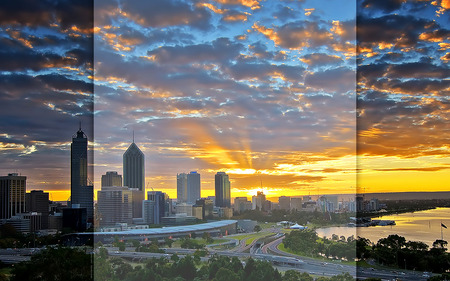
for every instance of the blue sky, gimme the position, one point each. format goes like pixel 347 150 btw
pixel 264 90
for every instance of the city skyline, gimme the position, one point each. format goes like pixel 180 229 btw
pixel 265 92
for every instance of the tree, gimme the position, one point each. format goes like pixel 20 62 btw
pixel 134 242
pixel 55 264
pixel 257 228
pixel 293 275
pixel 207 237
pixel 185 268
pixel 168 242
pixel 224 274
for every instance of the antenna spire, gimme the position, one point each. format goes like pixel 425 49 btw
pixel 80 125
pixel 133 136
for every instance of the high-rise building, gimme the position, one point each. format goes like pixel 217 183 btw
pixel 296 203
pixel 37 201
pixel 284 202
pixel 134 174
pixel 115 205
pixel 79 163
pixel 12 195
pixel 241 204
pixel 207 207
pixel 155 207
pixel 193 187
pixel 181 188
pixel 111 179
pixel 258 201
pixel 81 193
pixel 222 186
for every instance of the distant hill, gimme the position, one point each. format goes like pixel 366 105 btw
pixel 409 195
pixel 386 196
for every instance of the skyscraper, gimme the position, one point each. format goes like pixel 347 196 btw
pixel 115 205
pixel 222 186
pixel 134 175
pixel 181 188
pixel 111 179
pixel 155 207
pixel 12 195
pixel 81 194
pixel 78 167
pixel 193 187
pixel 37 201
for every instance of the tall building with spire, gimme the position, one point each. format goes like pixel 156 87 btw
pixel 134 175
pixel 81 193
pixel 222 186
pixel 78 167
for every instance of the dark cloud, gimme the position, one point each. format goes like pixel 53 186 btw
pixel 320 59
pixel 283 12
pixel 46 12
pixel 383 5
pixel 303 34
pixel 340 79
pixel 399 30
pixel 220 50
pixel 167 13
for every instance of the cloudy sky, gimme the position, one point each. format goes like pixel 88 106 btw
pixel 263 90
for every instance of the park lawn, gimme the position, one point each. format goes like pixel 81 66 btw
pixel 201 241
pixel 261 235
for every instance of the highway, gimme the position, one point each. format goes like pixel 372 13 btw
pixel 257 250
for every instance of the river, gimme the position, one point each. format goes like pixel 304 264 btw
pixel 422 226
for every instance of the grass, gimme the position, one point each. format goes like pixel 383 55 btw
pixel 261 235
pixel 282 248
pixel 201 241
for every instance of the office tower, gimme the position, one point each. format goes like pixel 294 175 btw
pixel 193 187
pixel 296 203
pixel 12 195
pixel 81 194
pixel 155 207
pixel 241 204
pixel 222 186
pixel 284 202
pixel 78 167
pixel 115 205
pixel 134 175
pixel 207 207
pixel 111 179
pixel 37 201
pixel 181 188
pixel 258 201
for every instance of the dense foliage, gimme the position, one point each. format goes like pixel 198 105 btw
pixel 55 264
pixel 306 242
pixel 395 251
pixel 217 268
